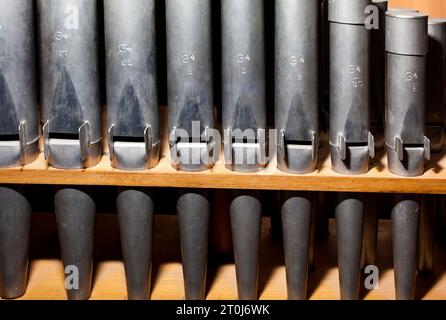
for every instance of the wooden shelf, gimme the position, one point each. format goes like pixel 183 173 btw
pixel 378 179
pixel 46 276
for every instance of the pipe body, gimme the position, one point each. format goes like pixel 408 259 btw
pixel 244 95
pixel 406 47
pixel 19 128
pixel 132 102
pixel 351 142
pixel 297 85
pixel 189 73
pixel 71 107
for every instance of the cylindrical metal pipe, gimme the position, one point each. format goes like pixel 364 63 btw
pixel 406 47
pixel 15 221
pixel 296 213
pixel 435 86
pixel 71 110
pixel 378 75
pixel 75 215
pixel 189 73
pixel 244 95
pixel 297 85
pixel 349 236
pixel 19 127
pixel 193 211
pixel 132 102
pixel 246 213
pixel 405 216
pixel 135 214
pixel 351 142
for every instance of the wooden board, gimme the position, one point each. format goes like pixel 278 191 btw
pixel 46 276
pixel 435 8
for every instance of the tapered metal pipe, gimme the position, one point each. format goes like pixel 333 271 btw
pixel 370 237
pixel 429 206
pixel 296 214
pixel 246 213
pixel 378 75
pixel 351 142
pixel 71 108
pixel 15 221
pixel 135 214
pixel 19 128
pixel 297 85
pixel 405 216
pixel 132 102
pixel 244 95
pixel 406 47
pixel 75 214
pixel 193 210
pixel 189 73
pixel 435 86
pixel 349 235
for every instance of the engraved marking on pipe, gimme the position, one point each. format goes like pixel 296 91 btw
pixel 189 60
pixel 72 17
pixel 129 118
pixel 8 115
pixel 413 78
pixel 243 59
pixel 67 110
pixel 72 278
pixel 355 70
pixel 126 51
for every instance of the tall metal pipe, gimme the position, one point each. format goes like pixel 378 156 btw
pixel 246 214
pixel 193 210
pixel 406 47
pixel 349 216
pixel 405 215
pixel 19 127
pixel 75 215
pixel 244 95
pixel 435 86
pixel 297 85
pixel 191 120
pixel 297 216
pixel 132 102
pixel 15 221
pixel 135 214
pixel 351 142
pixel 71 108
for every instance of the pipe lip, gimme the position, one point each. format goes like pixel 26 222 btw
pixel 402 10
pixel 406 14
pixel 437 21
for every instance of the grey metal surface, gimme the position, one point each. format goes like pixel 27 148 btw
pixel 297 216
pixel 351 143
pixel 349 235
pixel 297 85
pixel 246 214
pixel 75 214
pixel 71 107
pixel 189 73
pixel 131 69
pixel 436 84
pixel 243 92
pixel 19 127
pixel 15 221
pixel 406 46
pixel 193 211
pixel 378 76
pixel 135 214
pixel 348 11
pixel 429 206
pixel 405 216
